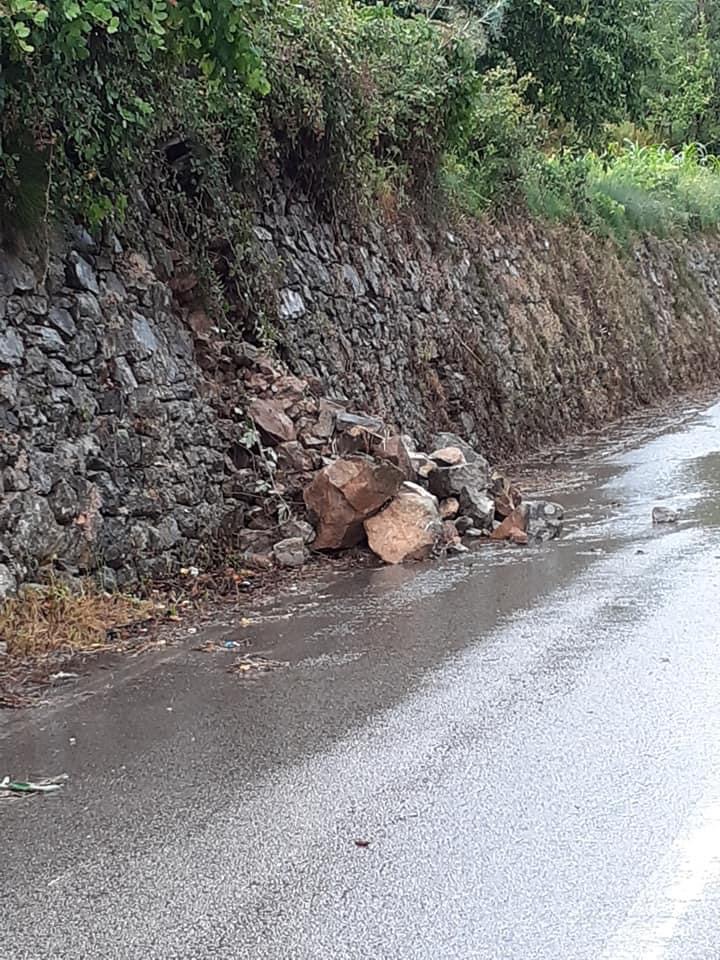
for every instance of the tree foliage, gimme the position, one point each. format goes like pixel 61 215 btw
pixel 588 57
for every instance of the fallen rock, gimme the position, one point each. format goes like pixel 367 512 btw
pixel 409 528
pixel 467 484
pixel 270 417
pixel 325 425
pixel 355 440
pixel 457 548
pixel 450 508
pixel 448 457
pixel 422 465
pixel 346 493
pixel 444 440
pixel 513 525
pixel 665 515
pixel 294 457
pixel 290 552
pixel 346 421
pixel 545 519
pixel 396 451
pixel 298 528
pixel 507 496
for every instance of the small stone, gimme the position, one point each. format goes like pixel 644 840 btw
pixel 58 374
pixel 290 552
pixel 448 457
pixel 347 421
pixel 80 275
pixel 450 508
pixel 291 305
pixel 444 440
pixel 475 533
pixel 665 515
pixel 62 320
pixel 545 519
pixel 49 340
pixel 15 275
pixel 8 586
pixel 457 548
pixel 12 349
pixel 298 528
pixel 270 417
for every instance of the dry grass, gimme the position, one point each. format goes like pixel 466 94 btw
pixel 55 618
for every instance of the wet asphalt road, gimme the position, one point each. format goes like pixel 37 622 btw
pixel 529 740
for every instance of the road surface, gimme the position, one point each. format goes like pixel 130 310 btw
pixel 527 740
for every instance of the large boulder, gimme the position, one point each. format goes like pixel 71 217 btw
pixel 409 528
pixel 345 494
pixel 466 483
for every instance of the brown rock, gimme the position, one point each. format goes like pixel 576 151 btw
pixel 288 386
pixel 394 450
pixel 200 324
pixel 344 494
pixel 294 457
pixel 450 533
pixel 449 508
pixel 519 537
pixel 512 525
pixel 272 419
pixel 424 467
pixel 507 496
pixel 449 457
pixel 354 440
pixel 408 529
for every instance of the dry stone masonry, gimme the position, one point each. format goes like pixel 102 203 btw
pixel 136 436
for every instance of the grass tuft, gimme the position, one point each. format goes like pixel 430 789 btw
pixel 54 618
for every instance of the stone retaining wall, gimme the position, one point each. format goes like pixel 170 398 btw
pixel 123 428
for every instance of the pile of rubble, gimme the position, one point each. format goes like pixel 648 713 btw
pixel 362 483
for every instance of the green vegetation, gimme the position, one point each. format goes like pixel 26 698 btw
pixel 581 109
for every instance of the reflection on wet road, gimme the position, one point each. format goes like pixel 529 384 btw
pixel 527 739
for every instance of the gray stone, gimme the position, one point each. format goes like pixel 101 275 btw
pixel 291 305
pixel 545 519
pixel 12 349
pixel 665 515
pixel 290 552
pixel 168 533
pixel 143 341
pixel 347 421
pixel 58 374
pixel 64 502
pixel 14 274
pixel 86 306
pixel 37 529
pixel 298 528
pixel 8 582
pixel 49 340
pixel 80 275
pixel 467 484
pixel 123 375
pixel 62 320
